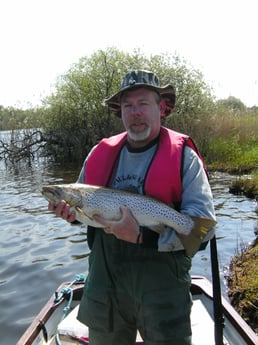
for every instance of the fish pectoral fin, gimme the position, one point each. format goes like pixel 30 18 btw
pixel 159 228
pixel 84 214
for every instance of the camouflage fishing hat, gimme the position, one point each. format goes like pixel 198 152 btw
pixel 138 79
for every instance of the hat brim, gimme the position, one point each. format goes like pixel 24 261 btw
pixel 167 93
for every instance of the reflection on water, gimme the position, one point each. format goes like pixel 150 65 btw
pixel 39 251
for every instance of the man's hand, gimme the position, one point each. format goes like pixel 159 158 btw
pixel 126 228
pixel 62 210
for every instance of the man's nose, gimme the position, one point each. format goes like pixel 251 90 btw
pixel 135 110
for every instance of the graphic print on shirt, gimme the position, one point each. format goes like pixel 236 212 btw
pixel 131 170
pixel 129 183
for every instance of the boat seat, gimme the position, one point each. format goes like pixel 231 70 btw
pixel 202 324
pixel 70 326
pixel 201 321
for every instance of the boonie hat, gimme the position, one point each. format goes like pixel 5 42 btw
pixel 137 79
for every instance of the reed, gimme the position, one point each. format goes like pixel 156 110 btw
pixel 228 140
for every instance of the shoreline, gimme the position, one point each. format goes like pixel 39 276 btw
pixel 242 283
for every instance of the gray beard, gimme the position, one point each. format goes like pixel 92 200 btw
pixel 139 136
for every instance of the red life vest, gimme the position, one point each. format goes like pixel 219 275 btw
pixel 163 179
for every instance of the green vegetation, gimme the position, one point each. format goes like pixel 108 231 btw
pixel 12 118
pixel 247 186
pixel 73 118
pixel 76 113
pixel 243 285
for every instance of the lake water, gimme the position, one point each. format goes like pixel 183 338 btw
pixel 39 251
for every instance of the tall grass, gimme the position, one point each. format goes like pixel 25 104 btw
pixel 227 140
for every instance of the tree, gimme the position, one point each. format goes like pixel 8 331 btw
pixel 76 114
pixel 232 103
pixel 12 118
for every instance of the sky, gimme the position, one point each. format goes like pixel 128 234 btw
pixel 41 39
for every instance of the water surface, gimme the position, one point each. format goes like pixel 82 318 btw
pixel 39 251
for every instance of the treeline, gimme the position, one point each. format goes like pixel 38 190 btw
pixel 12 118
pixel 73 118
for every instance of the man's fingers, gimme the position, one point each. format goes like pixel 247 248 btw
pixel 101 221
pixel 125 211
pixel 71 217
pixel 51 206
pixel 62 210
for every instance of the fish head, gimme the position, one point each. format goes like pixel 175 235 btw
pixel 56 193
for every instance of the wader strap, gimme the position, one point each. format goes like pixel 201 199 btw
pixel 217 305
pixel 90 235
pixel 149 238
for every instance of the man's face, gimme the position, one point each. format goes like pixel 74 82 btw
pixel 140 111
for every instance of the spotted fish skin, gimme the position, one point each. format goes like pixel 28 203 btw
pixel 88 200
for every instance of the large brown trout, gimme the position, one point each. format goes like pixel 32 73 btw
pixel 87 201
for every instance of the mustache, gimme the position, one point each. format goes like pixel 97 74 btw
pixel 137 121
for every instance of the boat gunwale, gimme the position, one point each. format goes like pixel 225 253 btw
pixel 46 312
pixel 200 286
pixel 205 287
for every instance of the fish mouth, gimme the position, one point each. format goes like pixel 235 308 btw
pixel 48 192
pixel 56 193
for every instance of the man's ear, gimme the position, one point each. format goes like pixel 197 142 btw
pixel 165 108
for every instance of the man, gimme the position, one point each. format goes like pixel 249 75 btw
pixel 139 280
